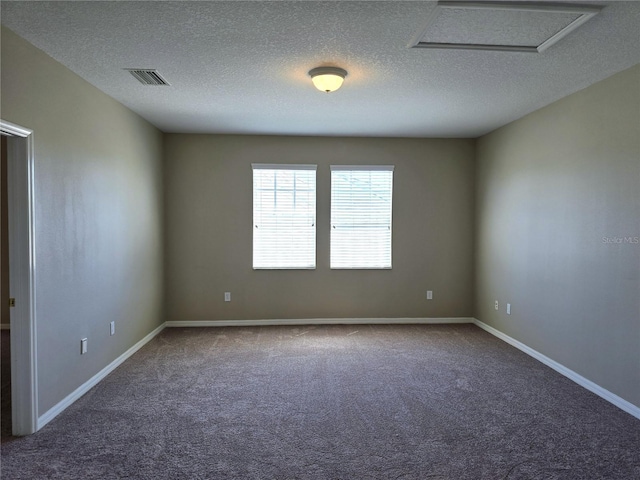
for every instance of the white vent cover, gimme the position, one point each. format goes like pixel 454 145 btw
pixel 147 76
pixel 514 27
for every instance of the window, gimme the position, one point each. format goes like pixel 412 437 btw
pixel 361 216
pixel 284 216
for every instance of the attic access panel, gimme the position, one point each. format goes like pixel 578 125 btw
pixel 513 27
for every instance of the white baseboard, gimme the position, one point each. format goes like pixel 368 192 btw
pixel 5 326
pixel 619 402
pixel 316 321
pixel 93 381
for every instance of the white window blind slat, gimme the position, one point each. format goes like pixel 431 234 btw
pixel 361 206
pixel 284 216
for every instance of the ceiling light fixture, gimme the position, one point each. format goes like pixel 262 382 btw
pixel 327 79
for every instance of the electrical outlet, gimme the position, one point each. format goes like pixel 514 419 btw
pixel 83 346
pixel 112 328
pixel 227 296
pixel 429 295
pixel 508 309
pixel 497 306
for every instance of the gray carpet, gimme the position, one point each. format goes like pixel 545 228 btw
pixel 332 402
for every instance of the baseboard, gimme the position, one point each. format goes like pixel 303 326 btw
pixel 93 381
pixel 316 321
pixel 5 326
pixel 619 402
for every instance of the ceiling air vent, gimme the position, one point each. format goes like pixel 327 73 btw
pixel 147 76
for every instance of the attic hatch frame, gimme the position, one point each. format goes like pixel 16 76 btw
pixel 585 12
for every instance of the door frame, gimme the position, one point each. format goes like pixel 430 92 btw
pixel 22 276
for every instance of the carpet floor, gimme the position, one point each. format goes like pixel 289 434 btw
pixel 331 402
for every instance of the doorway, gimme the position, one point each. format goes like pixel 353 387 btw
pixel 5 332
pixel 22 267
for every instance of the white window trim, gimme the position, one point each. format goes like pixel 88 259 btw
pixel 282 166
pixel 298 167
pixel 368 168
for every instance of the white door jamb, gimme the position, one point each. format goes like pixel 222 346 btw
pixel 22 266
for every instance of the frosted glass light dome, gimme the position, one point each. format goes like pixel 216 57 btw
pixel 327 79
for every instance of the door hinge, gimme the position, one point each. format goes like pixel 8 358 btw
pixel 12 302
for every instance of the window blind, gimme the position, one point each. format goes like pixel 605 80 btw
pixel 284 216
pixel 361 198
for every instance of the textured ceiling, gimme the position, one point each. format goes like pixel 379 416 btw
pixel 241 67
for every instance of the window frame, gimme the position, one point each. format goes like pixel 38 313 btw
pixel 332 225
pixel 285 167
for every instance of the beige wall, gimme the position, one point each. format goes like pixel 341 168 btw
pixel 98 201
pixel 208 188
pixel 555 191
